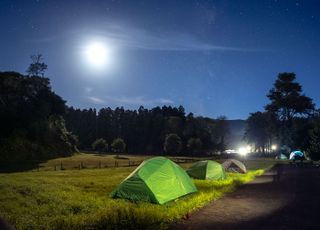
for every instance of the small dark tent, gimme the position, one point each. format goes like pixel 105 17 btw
pixel 207 170
pixel 232 165
pixel 157 180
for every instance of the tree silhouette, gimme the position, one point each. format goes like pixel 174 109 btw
pixel 37 66
pixel 32 126
pixel 222 130
pixel 287 100
pixel 259 131
pixel 287 103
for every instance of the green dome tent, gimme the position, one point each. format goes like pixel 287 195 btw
pixel 157 180
pixel 207 170
pixel 232 165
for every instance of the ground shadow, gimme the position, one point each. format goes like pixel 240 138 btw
pixel 4 225
pixel 294 195
pixel 19 166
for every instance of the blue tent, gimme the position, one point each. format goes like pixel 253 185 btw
pixel 296 155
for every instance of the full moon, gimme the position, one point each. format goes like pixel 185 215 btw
pixel 97 54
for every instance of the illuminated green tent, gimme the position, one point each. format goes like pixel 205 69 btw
pixel 207 170
pixel 157 180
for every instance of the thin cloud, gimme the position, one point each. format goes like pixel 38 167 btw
pixel 136 38
pixel 96 100
pixel 128 101
pixel 139 100
pixel 165 101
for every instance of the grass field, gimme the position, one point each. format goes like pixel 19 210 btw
pixel 110 160
pixel 92 161
pixel 79 199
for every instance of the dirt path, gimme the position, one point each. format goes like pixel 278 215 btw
pixel 289 202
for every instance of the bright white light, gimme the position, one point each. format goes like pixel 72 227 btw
pixel 274 147
pixel 230 151
pixel 97 54
pixel 243 151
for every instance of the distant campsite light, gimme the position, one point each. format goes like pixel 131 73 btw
pixel 243 151
pixel 274 147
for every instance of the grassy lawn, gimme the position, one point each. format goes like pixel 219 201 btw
pixel 91 161
pixel 78 199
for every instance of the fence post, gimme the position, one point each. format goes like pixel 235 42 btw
pixel 61 166
pixel 55 168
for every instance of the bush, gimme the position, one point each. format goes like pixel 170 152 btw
pixel 100 145
pixel 118 145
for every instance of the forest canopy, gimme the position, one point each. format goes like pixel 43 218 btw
pixel 37 124
pixel 31 117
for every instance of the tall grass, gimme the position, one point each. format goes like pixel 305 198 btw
pixel 80 200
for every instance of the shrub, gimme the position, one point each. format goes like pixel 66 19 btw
pixel 100 145
pixel 118 145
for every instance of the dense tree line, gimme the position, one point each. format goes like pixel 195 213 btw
pixel 289 121
pixel 145 131
pixel 36 124
pixel 31 119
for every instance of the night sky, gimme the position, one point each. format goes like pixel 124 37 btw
pixel 213 57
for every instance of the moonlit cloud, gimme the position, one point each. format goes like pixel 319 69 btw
pixel 136 38
pixel 165 101
pixel 95 100
pixel 128 101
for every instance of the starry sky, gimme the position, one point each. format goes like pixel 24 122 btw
pixel 213 57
